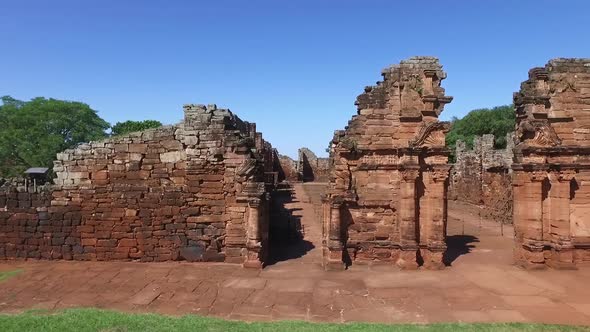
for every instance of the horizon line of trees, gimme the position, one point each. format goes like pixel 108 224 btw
pixel 499 121
pixel 33 132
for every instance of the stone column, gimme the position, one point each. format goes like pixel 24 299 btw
pixel 253 243
pixel 562 248
pixel 407 220
pixel 333 256
pixel 528 218
pixel 436 223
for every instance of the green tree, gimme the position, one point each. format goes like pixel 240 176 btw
pixel 130 126
pixel 498 121
pixel 33 132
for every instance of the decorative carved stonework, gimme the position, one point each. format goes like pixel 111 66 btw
pixel 440 174
pixel 565 84
pixel 409 174
pixel 247 168
pixel 552 152
pixel 537 133
pixel 537 176
pixel 377 167
pixel 254 202
pixel 564 176
pixel 432 135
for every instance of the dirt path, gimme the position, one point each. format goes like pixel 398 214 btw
pixel 480 286
pixel 299 208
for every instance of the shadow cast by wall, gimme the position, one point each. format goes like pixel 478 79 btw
pixel 285 230
pixel 458 245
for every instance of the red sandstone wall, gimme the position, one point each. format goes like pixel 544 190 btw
pixel 21 214
pixel 177 192
pixel 552 165
pixel 312 168
pixel 288 169
pixel 387 193
pixel 482 176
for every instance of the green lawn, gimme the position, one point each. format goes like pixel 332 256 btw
pixel 110 321
pixel 8 274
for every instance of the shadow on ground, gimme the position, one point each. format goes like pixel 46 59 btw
pixel 458 245
pixel 285 229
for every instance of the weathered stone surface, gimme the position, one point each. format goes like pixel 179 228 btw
pixel 483 176
pixel 388 172
pixel 308 167
pixel 312 168
pixel 551 166
pixel 168 193
pixel 288 170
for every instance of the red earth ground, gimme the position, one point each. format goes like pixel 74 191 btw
pixel 481 285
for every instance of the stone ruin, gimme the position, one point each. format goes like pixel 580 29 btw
pixel 483 176
pixel 552 166
pixel 388 179
pixel 288 169
pixel 307 168
pixel 200 190
pixel 312 168
pixel 196 191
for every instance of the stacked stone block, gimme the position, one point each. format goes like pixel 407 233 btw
pixel 312 168
pixel 288 169
pixel 194 191
pixel 551 170
pixel 483 176
pixel 388 177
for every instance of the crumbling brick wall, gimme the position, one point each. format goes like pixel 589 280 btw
pixel 388 177
pixel 483 176
pixel 311 167
pixel 193 191
pixel 21 211
pixel 551 170
pixel 288 169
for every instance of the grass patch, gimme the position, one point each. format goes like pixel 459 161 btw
pixel 8 274
pixel 111 321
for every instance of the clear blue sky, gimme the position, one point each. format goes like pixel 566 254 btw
pixel 293 67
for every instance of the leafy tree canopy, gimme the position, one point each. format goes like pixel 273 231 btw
pixel 33 132
pixel 498 121
pixel 130 126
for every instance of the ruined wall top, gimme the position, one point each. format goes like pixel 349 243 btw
pixel 552 106
pixel 414 80
pixel 199 116
pixel 206 135
pixel 484 153
pixel 402 110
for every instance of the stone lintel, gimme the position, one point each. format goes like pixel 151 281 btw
pixel 549 167
pixel 554 150
pixel 437 99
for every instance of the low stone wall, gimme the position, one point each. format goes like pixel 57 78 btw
pixel 21 214
pixel 483 176
pixel 194 191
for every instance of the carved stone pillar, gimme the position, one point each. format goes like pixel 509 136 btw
pixel 333 256
pixel 528 218
pixel 407 220
pixel 253 243
pixel 326 211
pixel 562 249
pixel 435 245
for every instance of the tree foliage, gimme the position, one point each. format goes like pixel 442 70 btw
pixel 498 121
pixel 33 132
pixel 130 126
